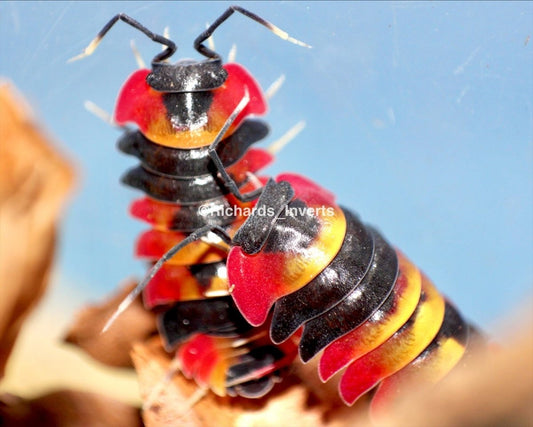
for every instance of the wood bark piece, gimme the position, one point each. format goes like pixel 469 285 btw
pixel 67 409
pixel 289 404
pixel 34 181
pixel 114 346
pixel 495 388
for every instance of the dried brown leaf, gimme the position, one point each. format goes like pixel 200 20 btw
pixel 34 181
pixel 114 346
pixel 67 409
pixel 494 388
pixel 290 403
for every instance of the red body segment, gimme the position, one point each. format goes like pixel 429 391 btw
pixel 258 280
pixel 399 350
pixel 153 244
pixel 379 327
pixel 149 109
pixel 177 283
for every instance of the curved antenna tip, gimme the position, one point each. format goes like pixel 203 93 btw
pixel 126 302
pixel 285 36
pixel 87 51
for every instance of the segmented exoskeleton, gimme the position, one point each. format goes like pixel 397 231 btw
pixel 300 265
pixel 194 123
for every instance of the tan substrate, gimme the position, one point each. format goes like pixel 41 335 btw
pixel 35 181
pixel 41 362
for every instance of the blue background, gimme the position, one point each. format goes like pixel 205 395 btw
pixel 419 117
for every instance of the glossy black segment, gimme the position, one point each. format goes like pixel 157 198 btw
pixel 211 212
pixel 254 389
pixel 331 286
pixel 453 325
pixel 256 230
pixel 295 228
pixel 216 316
pixel 187 111
pixel 255 360
pixel 177 190
pixel 204 273
pixel 193 162
pixel 358 306
pixel 187 76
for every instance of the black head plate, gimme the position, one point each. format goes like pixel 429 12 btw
pixel 187 76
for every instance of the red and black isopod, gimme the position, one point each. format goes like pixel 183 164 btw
pixel 195 119
pixel 300 265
